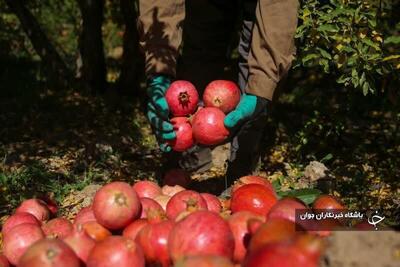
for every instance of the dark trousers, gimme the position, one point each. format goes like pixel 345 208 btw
pixel 208 31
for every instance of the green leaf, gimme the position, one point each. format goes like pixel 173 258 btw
pixel 307 195
pixel 308 58
pixel 366 88
pixel 324 53
pixel 391 57
pixel 327 28
pixel 392 40
pixel 327 157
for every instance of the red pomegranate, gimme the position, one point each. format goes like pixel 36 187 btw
pixel 116 251
pixel 186 200
pixel 147 189
pixel 182 98
pixel 80 242
pixel 286 208
pixel 115 205
pixel 48 253
pixel 132 230
pixel 172 190
pixel 85 215
pixel 152 210
pixel 213 203
pixel 253 197
pixel 238 223
pixel 205 261
pixel 18 239
pixel 221 94
pixel 201 233
pixel 17 219
pixel 57 227
pixel 153 239
pixel 273 230
pixel 311 245
pixel 96 231
pixel 177 177
pixel 208 126
pixel 251 179
pixel 279 255
pixel 184 134
pixel 51 204
pixel 3 261
pixel 36 207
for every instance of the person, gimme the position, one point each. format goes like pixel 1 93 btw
pixel 205 28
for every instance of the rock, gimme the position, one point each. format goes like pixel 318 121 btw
pixel 315 171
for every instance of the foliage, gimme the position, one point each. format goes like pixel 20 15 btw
pixel 359 41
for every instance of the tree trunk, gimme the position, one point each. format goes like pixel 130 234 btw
pixel 56 69
pixel 130 58
pixel 91 46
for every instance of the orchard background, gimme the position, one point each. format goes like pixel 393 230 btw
pixel 73 117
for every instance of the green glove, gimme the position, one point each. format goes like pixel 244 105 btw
pixel 248 107
pixel 158 111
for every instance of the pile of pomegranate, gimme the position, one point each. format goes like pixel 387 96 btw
pixel 147 225
pixel 194 123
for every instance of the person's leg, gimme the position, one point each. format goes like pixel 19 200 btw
pixel 246 145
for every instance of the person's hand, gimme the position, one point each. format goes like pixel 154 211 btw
pixel 158 111
pixel 249 107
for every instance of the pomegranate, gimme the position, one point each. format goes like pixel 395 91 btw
pixel 186 200
pixel 311 245
pixel 286 209
pixel 3 261
pixel 250 179
pixel 213 203
pixel 51 204
pixel 323 227
pixel 205 261
pixel 116 205
pixel 85 215
pixel 80 242
pixel 48 253
pixel 253 197
pixel 17 219
pixel 116 251
pixel 152 210
pixel 253 224
pixel 279 255
pixel 132 230
pixel 96 231
pixel 238 223
pixel 208 126
pixel 163 200
pixel 147 189
pixel 18 239
pixel 153 239
pixel 172 190
pixel 57 227
pixel 182 98
pixel 177 177
pixel 221 94
pixel 36 207
pixel 327 202
pixel 273 230
pixel 184 134
pixel 201 233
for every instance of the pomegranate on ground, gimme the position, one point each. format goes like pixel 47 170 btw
pixel 286 208
pixel 19 239
pixel 153 239
pixel 252 179
pixel 208 126
pixel 132 230
pixel 17 219
pixel 49 252
pixel 116 251
pixel 186 200
pixel 238 223
pixel 163 200
pixel 85 215
pixel 147 189
pixel 253 197
pixel 36 207
pixel 115 205
pixel 201 233
pixel 80 242
pixel 182 98
pixel 152 210
pixel 184 134
pixel 96 231
pixel 213 202
pixel 57 227
pixel 221 94
pixel 172 190
pixel 327 202
pixel 3 261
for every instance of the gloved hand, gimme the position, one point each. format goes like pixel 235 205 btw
pixel 158 111
pixel 249 107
